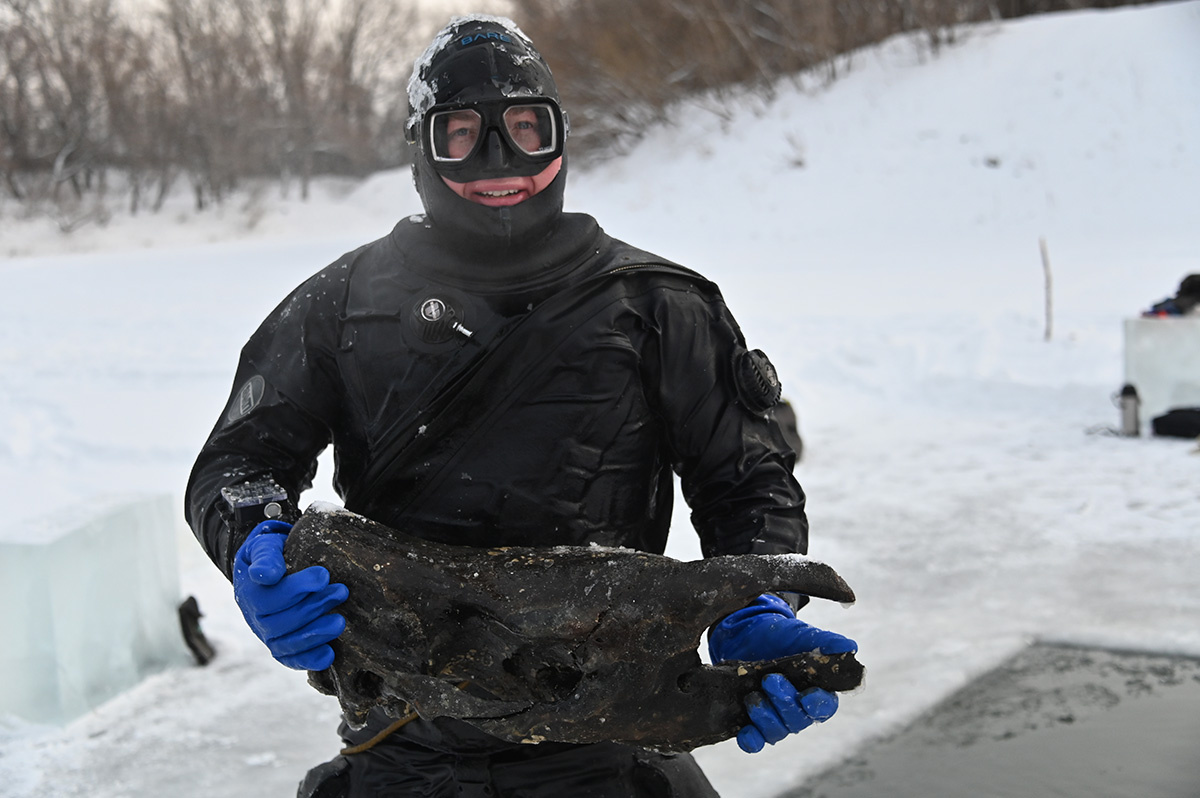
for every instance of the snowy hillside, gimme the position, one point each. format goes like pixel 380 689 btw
pixel 878 237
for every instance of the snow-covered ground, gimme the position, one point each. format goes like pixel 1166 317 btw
pixel 878 237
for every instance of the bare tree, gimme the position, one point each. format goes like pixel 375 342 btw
pixel 47 41
pixel 17 108
pixel 141 115
pixel 226 98
pixel 363 90
pixel 285 33
pixel 276 86
pixel 222 90
pixel 620 63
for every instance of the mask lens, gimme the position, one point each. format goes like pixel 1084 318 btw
pixel 454 135
pixel 473 141
pixel 532 128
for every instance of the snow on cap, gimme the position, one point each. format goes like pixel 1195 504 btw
pixel 477 57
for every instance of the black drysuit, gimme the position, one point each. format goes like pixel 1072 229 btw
pixel 626 370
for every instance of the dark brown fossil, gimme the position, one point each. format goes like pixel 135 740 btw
pixel 573 644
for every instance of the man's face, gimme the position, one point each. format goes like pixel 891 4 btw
pixel 501 192
pixel 496 143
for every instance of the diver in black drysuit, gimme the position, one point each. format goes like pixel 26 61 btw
pixel 628 368
pixel 584 450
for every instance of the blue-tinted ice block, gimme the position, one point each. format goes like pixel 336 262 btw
pixel 88 606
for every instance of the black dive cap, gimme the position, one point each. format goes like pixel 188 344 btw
pixel 476 58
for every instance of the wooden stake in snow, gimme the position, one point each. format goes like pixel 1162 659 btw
pixel 1049 286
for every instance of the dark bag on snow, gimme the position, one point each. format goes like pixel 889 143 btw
pixel 1182 422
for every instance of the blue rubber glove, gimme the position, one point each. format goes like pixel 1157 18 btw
pixel 768 629
pixel 288 612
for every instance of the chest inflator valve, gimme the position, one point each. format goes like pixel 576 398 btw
pixel 437 321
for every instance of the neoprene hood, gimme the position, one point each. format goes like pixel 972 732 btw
pixel 480 59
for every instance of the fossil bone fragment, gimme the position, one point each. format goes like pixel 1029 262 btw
pixel 573 644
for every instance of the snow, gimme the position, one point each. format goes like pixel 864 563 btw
pixel 957 466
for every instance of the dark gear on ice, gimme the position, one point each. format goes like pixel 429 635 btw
pixel 500 373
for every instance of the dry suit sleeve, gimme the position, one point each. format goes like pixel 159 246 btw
pixel 276 422
pixel 733 460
